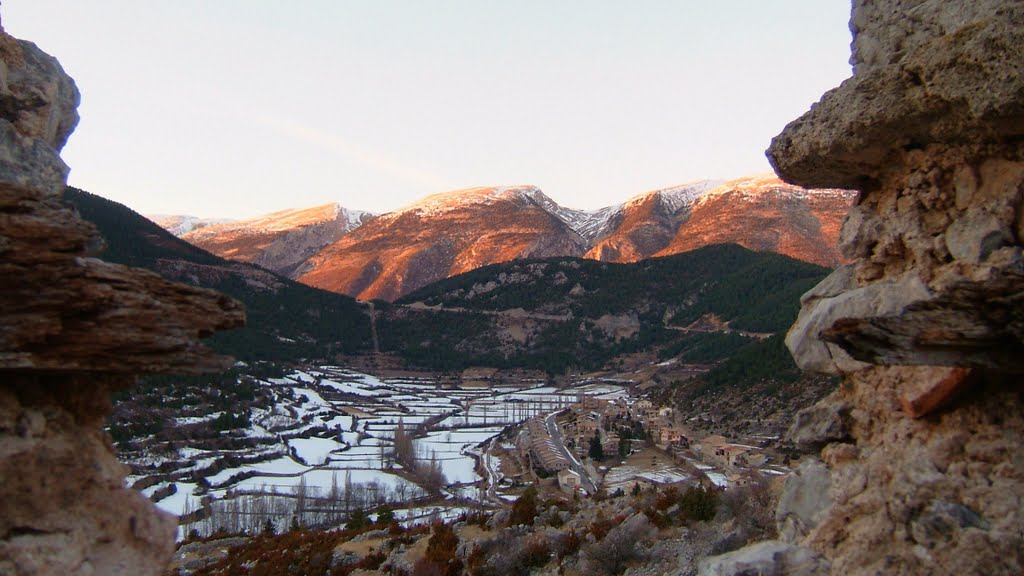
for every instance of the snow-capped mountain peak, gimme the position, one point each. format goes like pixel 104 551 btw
pixel 443 202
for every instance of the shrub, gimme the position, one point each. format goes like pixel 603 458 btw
pixel 385 516
pixel 535 552
pixel 524 509
pixel 667 498
pixel 508 555
pixel 698 504
pixel 295 552
pixel 568 544
pixel 357 520
pixel 753 508
pixel 621 547
pixel 441 549
pixel 600 528
pixel 371 561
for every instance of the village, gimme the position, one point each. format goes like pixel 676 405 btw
pixel 600 447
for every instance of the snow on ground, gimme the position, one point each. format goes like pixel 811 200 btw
pixel 183 498
pixel 283 465
pixel 354 388
pixel 450 447
pixel 624 476
pixel 719 479
pixel 344 422
pixel 315 401
pixel 186 420
pixel 300 376
pixel 428 514
pixel 322 480
pixel 314 451
pixel 375 406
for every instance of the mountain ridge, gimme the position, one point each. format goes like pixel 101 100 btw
pixel 444 234
pixel 279 241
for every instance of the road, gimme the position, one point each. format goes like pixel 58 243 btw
pixel 492 476
pixel 758 335
pixel 373 328
pixel 510 313
pixel 556 437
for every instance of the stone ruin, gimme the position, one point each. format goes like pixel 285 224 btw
pixel 919 465
pixel 74 329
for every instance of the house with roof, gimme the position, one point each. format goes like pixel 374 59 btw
pixel 568 480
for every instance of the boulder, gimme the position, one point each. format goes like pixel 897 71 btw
pixel 769 558
pixel 922 72
pixel 815 426
pixel 804 500
pixel 834 300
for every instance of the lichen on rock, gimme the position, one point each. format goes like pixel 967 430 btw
pixel 74 329
pixel 926 325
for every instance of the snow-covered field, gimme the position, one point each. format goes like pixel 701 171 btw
pixel 331 428
pixel 625 476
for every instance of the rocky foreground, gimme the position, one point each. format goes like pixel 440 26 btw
pixel 73 330
pixel 923 442
pixel 921 447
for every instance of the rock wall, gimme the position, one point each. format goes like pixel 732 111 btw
pixel 922 447
pixel 73 329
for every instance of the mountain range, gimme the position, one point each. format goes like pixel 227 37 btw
pixel 390 255
pixel 720 305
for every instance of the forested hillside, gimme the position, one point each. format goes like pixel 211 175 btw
pixel 567 313
pixel 285 320
pixel 556 315
pixel 756 291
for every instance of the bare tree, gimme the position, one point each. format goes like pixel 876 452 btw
pixel 300 499
pixel 348 491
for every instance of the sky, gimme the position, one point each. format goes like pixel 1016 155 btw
pixel 235 108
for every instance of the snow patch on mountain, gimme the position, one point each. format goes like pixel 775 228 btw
pixel 446 202
pixel 594 224
pixel 757 186
pixel 355 218
pixel 284 221
pixel 677 197
pixel 181 224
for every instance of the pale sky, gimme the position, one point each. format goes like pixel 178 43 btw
pixel 234 108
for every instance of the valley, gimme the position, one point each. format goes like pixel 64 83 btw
pixel 590 384
pixel 704 379
pixel 317 445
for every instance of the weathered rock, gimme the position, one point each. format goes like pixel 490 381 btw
pixel 769 558
pixel 927 326
pixel 942 521
pixel 821 311
pixel 99 317
pixel 66 508
pixel 804 500
pixel 195 555
pixel 928 394
pixel 72 330
pixel 923 72
pixel 970 323
pixel 815 426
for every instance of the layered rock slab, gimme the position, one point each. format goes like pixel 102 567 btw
pixel 73 329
